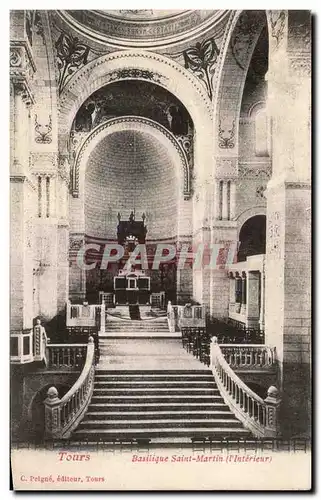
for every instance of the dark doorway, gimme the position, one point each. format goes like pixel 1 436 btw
pixel 252 237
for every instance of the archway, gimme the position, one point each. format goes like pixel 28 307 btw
pixel 252 237
pixel 129 164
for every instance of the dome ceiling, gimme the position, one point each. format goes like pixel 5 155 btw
pixel 142 28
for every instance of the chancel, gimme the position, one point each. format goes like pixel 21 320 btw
pixel 180 129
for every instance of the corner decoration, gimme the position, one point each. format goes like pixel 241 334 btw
pixel 201 60
pixel 43 131
pixel 71 56
pixel 226 137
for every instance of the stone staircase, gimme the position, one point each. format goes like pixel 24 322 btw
pixel 153 327
pixel 164 406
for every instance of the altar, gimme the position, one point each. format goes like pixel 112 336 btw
pixel 131 288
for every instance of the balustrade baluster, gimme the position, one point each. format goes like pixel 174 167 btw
pixel 259 413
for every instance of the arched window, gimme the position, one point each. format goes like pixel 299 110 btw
pixel 261 132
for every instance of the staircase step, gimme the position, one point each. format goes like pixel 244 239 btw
pixel 131 391
pixel 218 432
pixel 158 384
pixel 156 399
pixel 158 415
pixel 156 424
pixel 168 407
pixel 160 373
pixel 157 378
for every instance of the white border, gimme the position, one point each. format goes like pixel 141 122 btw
pixel 314 6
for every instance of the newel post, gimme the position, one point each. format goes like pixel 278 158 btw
pixel 273 402
pixel 102 318
pixel 170 317
pixel 39 342
pixel 52 414
pixel 214 344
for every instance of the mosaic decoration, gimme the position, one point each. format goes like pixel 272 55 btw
pixel 71 55
pixel 201 60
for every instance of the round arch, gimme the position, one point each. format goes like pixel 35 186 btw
pixel 121 124
pixel 252 237
pixel 241 37
pixel 136 123
pixel 139 65
pixel 248 214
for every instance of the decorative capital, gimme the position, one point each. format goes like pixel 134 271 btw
pixel 22 64
pixel 22 88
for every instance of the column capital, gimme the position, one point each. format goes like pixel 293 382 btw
pixel 226 167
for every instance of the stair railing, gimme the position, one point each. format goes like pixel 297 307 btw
pixel 63 415
pixel 65 355
pixel 249 355
pixel 260 416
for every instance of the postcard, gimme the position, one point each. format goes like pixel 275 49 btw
pixel 160 250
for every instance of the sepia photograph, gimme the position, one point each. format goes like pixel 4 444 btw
pixel 160 249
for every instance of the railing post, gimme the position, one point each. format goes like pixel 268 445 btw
pixel 39 342
pixel 273 402
pixel 52 414
pixel 102 318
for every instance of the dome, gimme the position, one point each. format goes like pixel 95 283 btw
pixel 142 28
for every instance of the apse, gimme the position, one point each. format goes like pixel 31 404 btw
pixel 131 171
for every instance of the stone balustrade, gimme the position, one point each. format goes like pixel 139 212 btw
pixel 260 416
pixel 250 356
pixel 157 299
pixel 86 315
pixel 21 347
pixel 187 316
pixel 247 291
pixel 29 346
pixel 63 415
pixel 65 355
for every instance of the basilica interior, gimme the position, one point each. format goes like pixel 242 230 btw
pixel 162 129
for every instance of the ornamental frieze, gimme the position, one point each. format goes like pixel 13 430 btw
pixel 255 171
